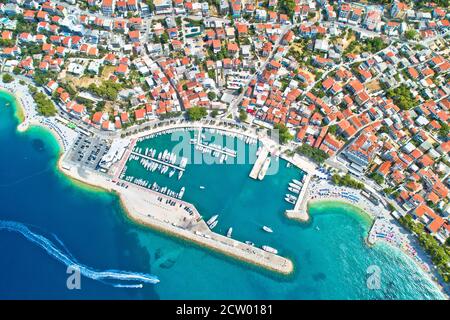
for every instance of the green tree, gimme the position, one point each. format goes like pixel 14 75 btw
pixel 411 34
pixel 196 113
pixel 214 113
pixel 317 155
pixel 283 133
pixel 378 178
pixel 444 130
pixel 7 78
pixel 164 38
pixel 402 97
pixel 375 44
pixel 212 96
pixel 346 181
pixel 242 115
pixel 45 106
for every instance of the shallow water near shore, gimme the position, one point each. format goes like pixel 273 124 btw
pixel 329 253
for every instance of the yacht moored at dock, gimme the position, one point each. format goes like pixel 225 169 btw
pixel 213 225
pixel 289 200
pixel 181 193
pixel 212 219
pixel 270 249
pixel 294 190
pixel 263 171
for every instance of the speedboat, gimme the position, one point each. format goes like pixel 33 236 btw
pixel 267 229
pixel 250 243
pixel 229 232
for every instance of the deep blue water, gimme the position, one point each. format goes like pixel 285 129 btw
pixel 330 255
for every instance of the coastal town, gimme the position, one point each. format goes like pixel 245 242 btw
pixel 358 93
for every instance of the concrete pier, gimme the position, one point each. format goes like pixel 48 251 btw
pixel 143 205
pixel 263 154
pixel 300 211
pixel 212 148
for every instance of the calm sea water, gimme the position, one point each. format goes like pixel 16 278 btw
pixel 330 255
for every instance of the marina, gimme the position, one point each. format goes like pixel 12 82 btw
pixel 219 150
pixel 151 167
pixel 210 278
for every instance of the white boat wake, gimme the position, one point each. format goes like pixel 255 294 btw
pixel 107 276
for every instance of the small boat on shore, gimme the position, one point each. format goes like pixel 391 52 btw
pixel 250 243
pixel 229 232
pixel 270 249
pixel 267 229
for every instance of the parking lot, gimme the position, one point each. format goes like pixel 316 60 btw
pixel 88 151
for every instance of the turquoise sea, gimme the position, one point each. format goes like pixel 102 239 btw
pixel 89 225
